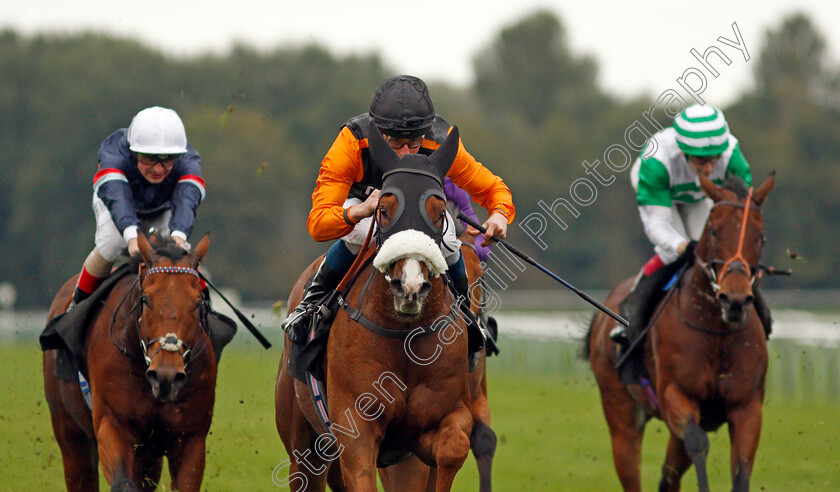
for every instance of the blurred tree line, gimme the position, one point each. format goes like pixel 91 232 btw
pixel 263 121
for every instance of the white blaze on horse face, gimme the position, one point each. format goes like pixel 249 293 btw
pixel 412 277
pixel 413 288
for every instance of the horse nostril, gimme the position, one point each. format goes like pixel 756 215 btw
pixel 152 377
pixel 425 288
pixel 396 287
pixel 179 380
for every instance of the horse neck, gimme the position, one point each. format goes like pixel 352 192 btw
pixel 118 318
pixel 696 296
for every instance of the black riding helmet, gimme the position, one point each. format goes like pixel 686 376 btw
pixel 401 107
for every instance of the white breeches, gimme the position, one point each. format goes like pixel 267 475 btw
pixel 109 242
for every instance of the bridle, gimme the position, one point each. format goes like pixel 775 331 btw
pixel 170 342
pixel 736 263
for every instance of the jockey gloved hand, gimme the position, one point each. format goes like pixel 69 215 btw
pixel 364 209
pixel 179 241
pixel 686 250
pixel 133 249
pixel 496 225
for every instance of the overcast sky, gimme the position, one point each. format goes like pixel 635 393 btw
pixel 640 46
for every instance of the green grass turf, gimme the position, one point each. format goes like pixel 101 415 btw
pixel 546 413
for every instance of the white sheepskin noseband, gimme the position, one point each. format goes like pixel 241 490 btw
pixel 410 244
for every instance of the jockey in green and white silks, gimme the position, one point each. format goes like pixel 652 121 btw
pixel 671 204
pixel 674 209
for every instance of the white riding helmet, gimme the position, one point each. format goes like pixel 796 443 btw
pixel 157 130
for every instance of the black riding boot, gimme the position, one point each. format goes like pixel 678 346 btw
pixel 296 324
pixel 763 311
pixel 636 309
pixel 78 296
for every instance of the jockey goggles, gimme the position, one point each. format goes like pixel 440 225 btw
pixel 167 160
pixel 397 143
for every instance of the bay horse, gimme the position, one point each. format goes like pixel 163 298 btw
pixel 706 353
pixel 396 369
pixel 152 375
pixel 482 439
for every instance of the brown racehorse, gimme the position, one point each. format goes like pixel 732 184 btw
pixel 706 352
pixel 152 375
pixel 397 377
pixel 483 439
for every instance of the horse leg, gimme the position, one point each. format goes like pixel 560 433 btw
pixel 682 416
pixel 358 461
pixel 483 444
pixel 78 453
pixel 744 432
pixel 626 421
pixel 482 438
pixel 186 463
pixel 148 468
pixel 677 462
pixel 334 479
pixel 697 446
pixel 411 475
pixel 116 457
pixel 78 448
pixel 308 471
pixel 448 446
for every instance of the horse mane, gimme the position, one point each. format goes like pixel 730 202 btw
pixel 167 248
pixel 736 185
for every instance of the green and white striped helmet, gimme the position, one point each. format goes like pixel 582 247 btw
pixel 702 130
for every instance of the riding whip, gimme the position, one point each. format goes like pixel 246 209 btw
pixel 548 272
pixel 253 329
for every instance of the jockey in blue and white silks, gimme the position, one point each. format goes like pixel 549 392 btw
pixel 148 176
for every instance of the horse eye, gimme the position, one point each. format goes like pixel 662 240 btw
pixel 382 212
pixel 144 300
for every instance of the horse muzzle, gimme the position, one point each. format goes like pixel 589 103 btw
pixel 409 296
pixel 166 380
pixel 735 307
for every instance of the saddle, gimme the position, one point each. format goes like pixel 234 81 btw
pixel 67 331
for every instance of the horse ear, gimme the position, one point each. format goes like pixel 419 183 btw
pixel 761 193
pixel 382 154
pixel 712 190
pixel 444 156
pixel 145 247
pixel 201 249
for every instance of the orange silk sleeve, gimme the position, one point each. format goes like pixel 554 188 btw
pixel 340 168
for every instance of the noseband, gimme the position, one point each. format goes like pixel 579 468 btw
pixel 737 263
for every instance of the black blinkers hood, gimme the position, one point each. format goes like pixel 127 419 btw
pixel 412 179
